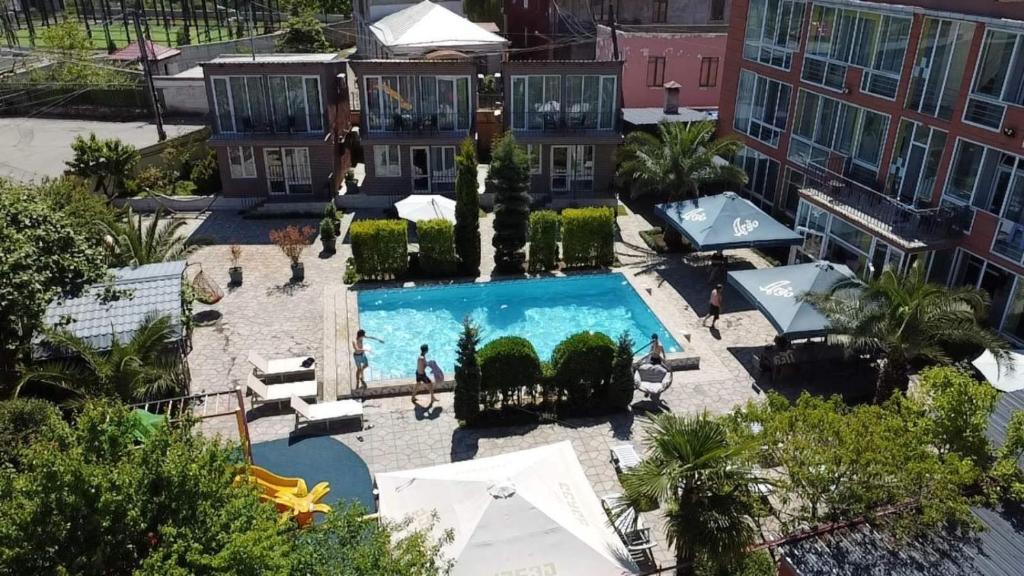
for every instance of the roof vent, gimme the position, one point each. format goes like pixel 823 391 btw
pixel 672 97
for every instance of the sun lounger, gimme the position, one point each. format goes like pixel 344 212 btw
pixel 624 457
pixel 280 366
pixel 652 380
pixel 326 411
pixel 280 392
pixel 629 525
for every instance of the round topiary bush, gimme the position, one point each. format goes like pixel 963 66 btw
pixel 582 367
pixel 508 365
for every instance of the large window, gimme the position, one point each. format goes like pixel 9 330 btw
pixel 660 11
pixel 998 79
pixel 241 104
pixel 572 168
pixel 762 107
pixel 827 132
pixel 242 162
pixel 762 176
pixel 717 13
pixel 386 161
pixel 773 31
pixel 915 163
pixel 288 170
pixel 840 37
pixel 708 72
pixel 533 151
pixel 655 71
pixel 295 103
pixel 791 185
pixel 401 103
pixel 939 68
pixel 975 272
pixel 536 102
pixel 590 101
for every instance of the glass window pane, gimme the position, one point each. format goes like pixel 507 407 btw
pixel 257 103
pixel 316 120
pixel 851 235
pixel 744 101
pixel 296 104
pixel 872 137
pixel 222 99
pixel 964 172
pixel 243 122
pixel 608 97
pixel 995 63
pixel 462 96
pixel 519 102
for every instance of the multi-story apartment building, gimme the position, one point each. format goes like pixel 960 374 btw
pixel 888 133
pixel 567 115
pixel 414 115
pixel 279 124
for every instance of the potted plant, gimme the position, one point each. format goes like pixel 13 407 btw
pixel 331 212
pixel 351 186
pixel 235 271
pixel 328 236
pixel 292 241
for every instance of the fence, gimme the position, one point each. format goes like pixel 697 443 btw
pixel 18 98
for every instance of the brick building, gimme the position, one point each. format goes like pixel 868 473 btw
pixel 888 133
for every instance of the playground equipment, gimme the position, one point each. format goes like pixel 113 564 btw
pixel 289 495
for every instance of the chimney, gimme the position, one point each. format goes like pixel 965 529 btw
pixel 672 97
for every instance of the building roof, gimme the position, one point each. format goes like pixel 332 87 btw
pixel 430 26
pixel 152 289
pixel 320 57
pixel 647 116
pixel 154 52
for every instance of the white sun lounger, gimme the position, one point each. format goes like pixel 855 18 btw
pixel 280 366
pixel 327 411
pixel 624 457
pixel 280 392
pixel 629 526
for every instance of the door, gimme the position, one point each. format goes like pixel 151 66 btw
pixel 275 171
pixel 420 163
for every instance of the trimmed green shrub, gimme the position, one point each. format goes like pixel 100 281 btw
pixel 588 236
pixel 509 179
pixel 437 247
pixel 543 240
pixel 467 374
pixel 582 365
pixel 620 388
pixel 380 248
pixel 508 365
pixel 467 208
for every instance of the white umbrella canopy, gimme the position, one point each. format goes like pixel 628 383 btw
pixel 1007 378
pixel 426 207
pixel 528 512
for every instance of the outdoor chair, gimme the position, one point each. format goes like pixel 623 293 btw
pixel 263 392
pixel 624 457
pixel 326 411
pixel 629 526
pixel 281 367
pixel 652 380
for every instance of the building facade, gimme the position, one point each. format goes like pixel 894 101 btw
pixel 888 133
pixel 279 124
pixel 567 114
pixel 414 115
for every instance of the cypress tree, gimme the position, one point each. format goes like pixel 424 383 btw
pixel 620 388
pixel 467 374
pixel 509 180
pixel 467 209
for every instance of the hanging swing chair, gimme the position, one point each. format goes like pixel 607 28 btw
pixel 206 290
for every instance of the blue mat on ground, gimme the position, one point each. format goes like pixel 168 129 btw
pixel 317 459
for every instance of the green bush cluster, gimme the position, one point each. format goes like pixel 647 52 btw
pixel 543 240
pixel 380 248
pixel 588 236
pixel 437 247
pixel 508 365
pixel 582 368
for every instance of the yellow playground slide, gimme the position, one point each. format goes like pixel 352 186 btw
pixel 289 495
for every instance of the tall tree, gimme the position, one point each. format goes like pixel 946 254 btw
pixel 109 161
pixel 45 255
pixel 509 180
pixel 703 484
pixel 903 319
pixel 467 373
pixel 303 33
pixel 679 161
pixel 467 208
pixel 135 242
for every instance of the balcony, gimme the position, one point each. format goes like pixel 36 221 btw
pixel 576 119
pixel 910 228
pixel 409 123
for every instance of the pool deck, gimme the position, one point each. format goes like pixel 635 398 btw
pixel 316 317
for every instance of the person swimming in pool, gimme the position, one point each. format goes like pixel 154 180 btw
pixel 359 355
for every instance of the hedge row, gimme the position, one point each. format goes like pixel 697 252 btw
pixel 380 248
pixel 508 366
pixel 588 236
pixel 437 247
pixel 543 240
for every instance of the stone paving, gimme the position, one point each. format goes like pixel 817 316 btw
pixel 277 319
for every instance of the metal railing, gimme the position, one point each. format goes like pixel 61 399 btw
pixel 416 122
pixel 883 212
pixel 559 121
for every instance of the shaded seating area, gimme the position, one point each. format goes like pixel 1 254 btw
pixel 725 221
pixel 652 379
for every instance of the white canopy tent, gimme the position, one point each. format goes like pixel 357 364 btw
pixel 427 26
pixel 528 512
pixel 426 207
pixel 1007 378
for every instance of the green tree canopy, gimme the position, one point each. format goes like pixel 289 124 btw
pixel 134 241
pixel 303 33
pixel 509 180
pixel 679 161
pixel 467 208
pixel 107 160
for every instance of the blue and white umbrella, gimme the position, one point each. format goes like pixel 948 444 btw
pixel 725 221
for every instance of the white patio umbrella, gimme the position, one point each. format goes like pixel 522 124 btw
pixel 426 207
pixel 1007 378
pixel 527 512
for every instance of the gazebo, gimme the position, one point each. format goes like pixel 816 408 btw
pixel 725 221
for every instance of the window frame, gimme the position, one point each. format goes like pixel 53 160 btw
pixel 958 27
pixel 536 161
pixel 525 78
pixel 1018 53
pixel 267 107
pixel 242 172
pixel 660 12
pixel 777 131
pixel 659 71
pixel 839 115
pixel 755 50
pixel 392 166
pixel 712 12
pixel 324 122
pixel 288 182
pixel 709 75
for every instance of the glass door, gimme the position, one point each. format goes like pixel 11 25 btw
pixel 275 171
pixel 420 163
pixel 296 171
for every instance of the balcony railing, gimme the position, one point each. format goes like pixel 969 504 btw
pixel 558 121
pixel 416 123
pixel 880 212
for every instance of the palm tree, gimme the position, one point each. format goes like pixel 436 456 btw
pixel 134 242
pixel 905 319
pixel 703 485
pixel 137 370
pixel 679 161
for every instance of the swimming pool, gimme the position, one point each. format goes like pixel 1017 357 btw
pixel 544 311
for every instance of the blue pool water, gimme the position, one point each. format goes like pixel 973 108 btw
pixel 544 311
